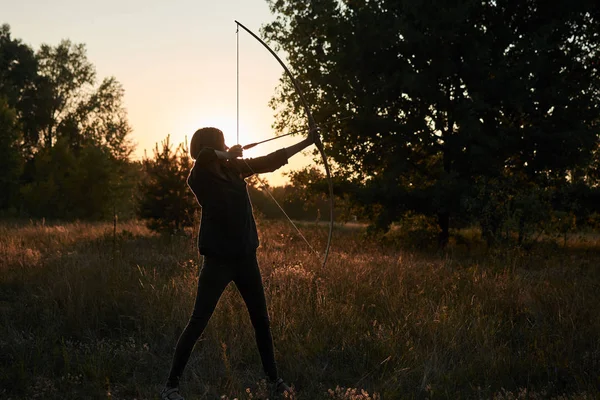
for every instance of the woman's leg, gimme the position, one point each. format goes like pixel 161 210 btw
pixel 249 283
pixel 213 279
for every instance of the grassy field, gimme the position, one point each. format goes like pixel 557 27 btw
pixel 85 314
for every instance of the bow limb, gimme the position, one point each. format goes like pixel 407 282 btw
pixel 313 126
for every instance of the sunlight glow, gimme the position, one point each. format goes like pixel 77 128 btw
pixel 186 127
pixel 188 124
pixel 178 78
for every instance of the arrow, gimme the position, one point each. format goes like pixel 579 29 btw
pixel 251 145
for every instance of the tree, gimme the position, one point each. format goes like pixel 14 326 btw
pixel 73 108
pixel 70 184
pixel 18 71
pixel 444 97
pixel 164 197
pixel 11 163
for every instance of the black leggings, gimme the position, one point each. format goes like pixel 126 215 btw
pixel 214 277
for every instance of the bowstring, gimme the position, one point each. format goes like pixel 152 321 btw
pixel 264 186
pixel 237 37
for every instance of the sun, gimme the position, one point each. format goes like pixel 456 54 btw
pixel 252 127
pixel 186 127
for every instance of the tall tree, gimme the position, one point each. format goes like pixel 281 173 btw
pixel 444 97
pixel 165 200
pixel 74 108
pixel 18 68
pixel 68 73
pixel 11 162
pixel 18 77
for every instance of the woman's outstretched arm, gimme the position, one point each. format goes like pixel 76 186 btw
pixel 272 161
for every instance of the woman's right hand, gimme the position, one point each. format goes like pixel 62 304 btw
pixel 235 151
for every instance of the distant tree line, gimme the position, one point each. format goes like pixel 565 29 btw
pixel 470 112
pixel 476 111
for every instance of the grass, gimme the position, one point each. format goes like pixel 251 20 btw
pixel 86 314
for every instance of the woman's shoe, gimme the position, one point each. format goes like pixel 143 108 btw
pixel 279 387
pixel 170 394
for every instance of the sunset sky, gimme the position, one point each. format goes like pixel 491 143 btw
pixel 176 61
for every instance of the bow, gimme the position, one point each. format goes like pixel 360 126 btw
pixel 312 126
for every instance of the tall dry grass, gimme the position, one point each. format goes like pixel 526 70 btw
pixel 86 314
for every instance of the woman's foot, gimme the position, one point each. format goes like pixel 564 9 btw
pixel 170 394
pixel 279 387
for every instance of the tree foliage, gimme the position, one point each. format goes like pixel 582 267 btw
pixel 11 162
pixel 165 199
pixel 69 184
pixel 75 109
pixel 299 199
pixel 64 139
pixel 446 98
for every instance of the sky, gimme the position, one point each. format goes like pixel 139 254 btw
pixel 176 61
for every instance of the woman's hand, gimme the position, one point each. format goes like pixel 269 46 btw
pixel 313 135
pixel 235 151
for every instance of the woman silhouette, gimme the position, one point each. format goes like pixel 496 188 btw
pixel 228 241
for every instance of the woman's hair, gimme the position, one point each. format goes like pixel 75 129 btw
pixel 206 137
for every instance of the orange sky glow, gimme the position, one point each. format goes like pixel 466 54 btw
pixel 176 61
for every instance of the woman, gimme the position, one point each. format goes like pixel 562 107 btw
pixel 228 241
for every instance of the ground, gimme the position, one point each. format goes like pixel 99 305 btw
pixel 88 312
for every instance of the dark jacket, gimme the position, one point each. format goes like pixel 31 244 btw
pixel 227 227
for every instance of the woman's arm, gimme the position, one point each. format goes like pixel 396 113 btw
pixel 270 162
pixel 294 149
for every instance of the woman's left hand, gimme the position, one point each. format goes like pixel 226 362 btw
pixel 313 135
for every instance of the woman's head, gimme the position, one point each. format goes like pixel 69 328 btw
pixel 207 137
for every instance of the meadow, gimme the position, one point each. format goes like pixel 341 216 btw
pixel 91 313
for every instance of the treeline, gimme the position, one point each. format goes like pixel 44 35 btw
pixel 472 112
